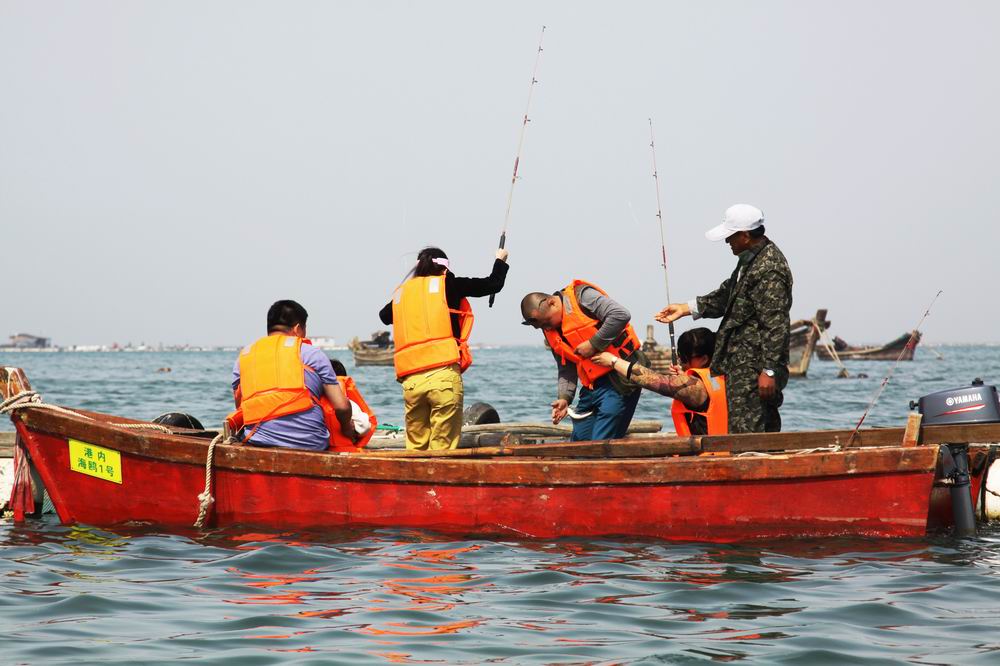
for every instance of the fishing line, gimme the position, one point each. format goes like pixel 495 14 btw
pixel 885 381
pixel 520 143
pixel 632 213
pixel 663 243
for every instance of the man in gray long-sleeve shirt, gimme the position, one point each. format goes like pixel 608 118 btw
pixel 578 322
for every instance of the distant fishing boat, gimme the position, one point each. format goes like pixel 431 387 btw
pixel 804 329
pixel 906 344
pixel 378 350
pixel 100 469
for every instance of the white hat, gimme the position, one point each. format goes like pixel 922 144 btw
pixel 741 217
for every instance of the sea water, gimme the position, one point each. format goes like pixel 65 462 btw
pixel 79 594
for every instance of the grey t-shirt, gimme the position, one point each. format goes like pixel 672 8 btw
pixel 613 318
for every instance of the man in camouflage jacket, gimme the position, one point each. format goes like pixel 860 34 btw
pixel 751 345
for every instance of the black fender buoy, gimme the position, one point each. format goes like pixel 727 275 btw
pixel 480 413
pixel 179 420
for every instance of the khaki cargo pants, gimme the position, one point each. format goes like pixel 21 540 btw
pixel 433 400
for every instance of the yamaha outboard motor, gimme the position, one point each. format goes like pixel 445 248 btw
pixel 973 404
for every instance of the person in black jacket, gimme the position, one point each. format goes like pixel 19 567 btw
pixel 432 387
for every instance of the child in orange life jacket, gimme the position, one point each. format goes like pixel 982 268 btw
pixel 699 406
pixel 361 414
pixel 431 320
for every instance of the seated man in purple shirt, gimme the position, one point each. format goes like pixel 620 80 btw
pixel 305 429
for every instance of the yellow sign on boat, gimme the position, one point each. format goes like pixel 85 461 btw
pixel 95 461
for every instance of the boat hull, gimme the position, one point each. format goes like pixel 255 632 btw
pixel 886 492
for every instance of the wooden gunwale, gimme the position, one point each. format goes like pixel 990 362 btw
pixel 929 436
pixel 514 470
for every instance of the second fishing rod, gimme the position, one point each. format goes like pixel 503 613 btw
pixel 663 242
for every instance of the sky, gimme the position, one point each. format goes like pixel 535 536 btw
pixel 169 169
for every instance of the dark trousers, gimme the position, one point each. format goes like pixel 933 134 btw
pixel 612 412
pixel 747 412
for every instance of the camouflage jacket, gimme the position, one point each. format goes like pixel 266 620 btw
pixel 754 304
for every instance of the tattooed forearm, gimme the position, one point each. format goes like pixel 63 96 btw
pixel 693 396
pixel 689 390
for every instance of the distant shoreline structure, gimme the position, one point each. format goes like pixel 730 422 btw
pixel 25 343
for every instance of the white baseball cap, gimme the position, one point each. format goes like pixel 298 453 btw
pixel 741 217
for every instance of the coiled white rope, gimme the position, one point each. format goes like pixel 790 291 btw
pixel 144 426
pixel 26 399
pixel 205 499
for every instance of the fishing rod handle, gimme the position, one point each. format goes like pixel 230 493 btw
pixel 503 241
pixel 673 345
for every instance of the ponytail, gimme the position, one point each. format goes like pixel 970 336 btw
pixel 426 264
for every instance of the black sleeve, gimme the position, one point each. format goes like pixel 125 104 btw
pixel 463 287
pixel 385 314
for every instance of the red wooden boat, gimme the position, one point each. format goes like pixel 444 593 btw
pixel 105 470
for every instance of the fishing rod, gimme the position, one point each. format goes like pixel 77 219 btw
pixel 520 142
pixel 663 243
pixel 885 381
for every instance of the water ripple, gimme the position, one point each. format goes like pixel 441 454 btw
pixel 79 594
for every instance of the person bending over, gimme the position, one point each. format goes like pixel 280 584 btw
pixel 578 322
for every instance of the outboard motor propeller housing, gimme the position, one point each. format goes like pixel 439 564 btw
pixel 973 404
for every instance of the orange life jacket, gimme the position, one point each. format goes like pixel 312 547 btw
pixel 717 414
pixel 271 381
pixel 578 328
pixel 421 325
pixel 272 384
pixel 337 440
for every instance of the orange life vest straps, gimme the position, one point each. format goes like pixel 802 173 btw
pixel 466 319
pixel 717 414
pixel 577 328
